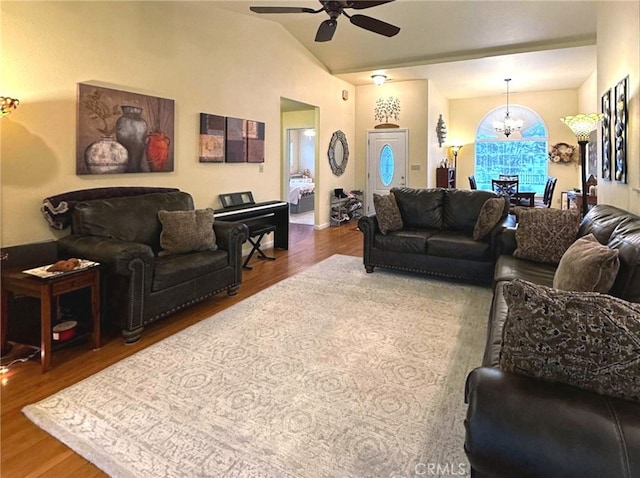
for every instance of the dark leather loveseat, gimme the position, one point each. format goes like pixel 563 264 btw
pixel 437 235
pixel 518 426
pixel 139 285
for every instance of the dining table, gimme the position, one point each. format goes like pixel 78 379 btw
pixel 525 198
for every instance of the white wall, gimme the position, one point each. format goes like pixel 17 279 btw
pixel 206 59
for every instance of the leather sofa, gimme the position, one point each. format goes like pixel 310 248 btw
pixel 140 286
pixel 523 427
pixel 437 235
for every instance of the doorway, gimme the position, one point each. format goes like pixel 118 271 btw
pixel 299 160
pixel 387 158
pixel 301 147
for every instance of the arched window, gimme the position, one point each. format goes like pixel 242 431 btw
pixel 523 153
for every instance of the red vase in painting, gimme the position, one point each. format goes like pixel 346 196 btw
pixel 158 151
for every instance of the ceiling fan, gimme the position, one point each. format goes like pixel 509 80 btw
pixel 336 8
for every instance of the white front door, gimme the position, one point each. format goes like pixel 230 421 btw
pixel 387 159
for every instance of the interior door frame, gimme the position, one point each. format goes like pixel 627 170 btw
pixel 289 105
pixel 369 162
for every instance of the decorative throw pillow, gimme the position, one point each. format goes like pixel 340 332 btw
pixel 587 266
pixel 585 339
pixel 544 235
pixel 186 231
pixel 387 212
pixel 490 214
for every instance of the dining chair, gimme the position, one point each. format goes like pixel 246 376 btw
pixel 547 197
pixel 506 187
pixel 509 177
pixel 472 182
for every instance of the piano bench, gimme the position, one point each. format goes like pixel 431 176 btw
pixel 259 231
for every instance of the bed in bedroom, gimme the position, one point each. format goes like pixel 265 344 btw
pixel 301 194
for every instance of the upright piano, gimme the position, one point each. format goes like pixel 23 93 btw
pixel 241 207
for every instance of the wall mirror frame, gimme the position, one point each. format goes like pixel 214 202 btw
pixel 338 153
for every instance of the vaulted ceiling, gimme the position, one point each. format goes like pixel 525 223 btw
pixel 467 47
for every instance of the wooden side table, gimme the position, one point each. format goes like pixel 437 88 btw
pixel 47 290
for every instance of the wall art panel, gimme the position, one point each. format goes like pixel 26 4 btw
pixel 606 135
pixel 212 138
pixel 236 144
pixel 620 130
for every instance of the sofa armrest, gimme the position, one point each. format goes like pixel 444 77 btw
pixel 368 225
pixel 116 254
pixel 230 236
pixel 506 243
pixel 526 427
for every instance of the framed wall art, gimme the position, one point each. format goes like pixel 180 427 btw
pixel 123 132
pixel 620 130
pixel 236 141
pixel 255 142
pixel 592 155
pixel 606 135
pixel 212 138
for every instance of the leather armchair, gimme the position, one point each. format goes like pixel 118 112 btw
pixel 139 286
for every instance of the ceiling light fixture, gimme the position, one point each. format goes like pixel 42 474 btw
pixel 379 79
pixel 508 125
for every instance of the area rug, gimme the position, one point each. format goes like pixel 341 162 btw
pixel 330 373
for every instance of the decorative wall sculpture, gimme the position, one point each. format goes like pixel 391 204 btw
pixel 123 132
pixel 606 135
pixel 620 130
pixel 386 109
pixel 441 131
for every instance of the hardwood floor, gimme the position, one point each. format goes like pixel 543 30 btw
pixel 27 451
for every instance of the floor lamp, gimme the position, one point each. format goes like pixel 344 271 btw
pixel 582 126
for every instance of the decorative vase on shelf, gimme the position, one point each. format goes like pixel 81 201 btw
pixel 106 156
pixel 158 150
pixel 131 132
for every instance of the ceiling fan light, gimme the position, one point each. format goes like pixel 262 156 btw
pixel 379 79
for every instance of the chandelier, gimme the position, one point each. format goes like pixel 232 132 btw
pixel 508 125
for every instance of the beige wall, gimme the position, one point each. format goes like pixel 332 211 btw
pixel 414 101
pixel 438 105
pixel 206 59
pixel 618 56
pixel 466 115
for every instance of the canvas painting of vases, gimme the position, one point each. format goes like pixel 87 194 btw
pixel 121 132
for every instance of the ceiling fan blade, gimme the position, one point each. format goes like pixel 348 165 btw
pixel 374 25
pixel 362 5
pixel 326 30
pixel 283 10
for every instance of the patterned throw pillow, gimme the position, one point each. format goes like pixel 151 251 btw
pixel 587 266
pixel 186 231
pixel 544 235
pixel 584 339
pixel 492 211
pixel 387 212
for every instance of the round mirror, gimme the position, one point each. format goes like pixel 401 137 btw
pixel 338 153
